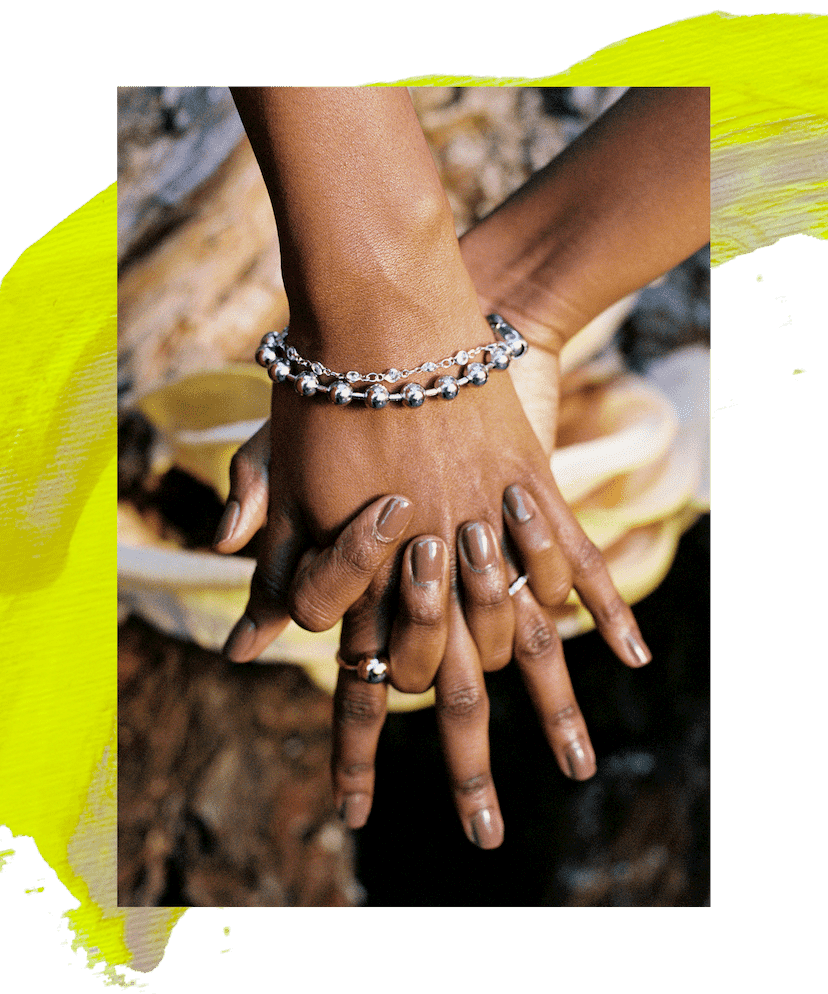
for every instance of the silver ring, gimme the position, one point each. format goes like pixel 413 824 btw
pixel 513 589
pixel 371 669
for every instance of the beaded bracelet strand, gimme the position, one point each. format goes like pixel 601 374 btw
pixel 280 359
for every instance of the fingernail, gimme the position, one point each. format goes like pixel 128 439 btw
pixel 240 640
pixel 638 649
pixel 392 522
pixel 516 506
pixel 581 765
pixel 478 547
pixel 426 561
pixel 486 829
pixel 355 809
pixel 229 520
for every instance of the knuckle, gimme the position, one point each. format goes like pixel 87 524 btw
pixel 356 558
pixel 537 641
pixel 567 715
pixel 587 559
pixel 353 771
pixel 473 786
pixel 461 703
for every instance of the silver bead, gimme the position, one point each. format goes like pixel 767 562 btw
pixel 306 384
pixel 413 395
pixel 270 339
pixel 500 357
pixel 376 396
pixel 265 355
pixel 461 358
pixel 278 372
pixel 477 373
pixel 447 385
pixel 341 393
pixel 517 343
pixel 392 375
pixel 353 376
pixel 429 367
pixel 513 338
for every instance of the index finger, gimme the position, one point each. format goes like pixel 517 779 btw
pixel 328 583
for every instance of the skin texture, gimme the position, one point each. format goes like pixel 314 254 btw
pixel 383 283
pixel 430 640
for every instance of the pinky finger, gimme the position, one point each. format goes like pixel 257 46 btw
pixel 590 577
pixel 246 509
pixel 539 656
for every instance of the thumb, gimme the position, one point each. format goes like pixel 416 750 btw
pixel 246 509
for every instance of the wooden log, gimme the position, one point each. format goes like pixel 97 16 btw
pixel 206 293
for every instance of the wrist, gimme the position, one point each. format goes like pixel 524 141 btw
pixel 392 296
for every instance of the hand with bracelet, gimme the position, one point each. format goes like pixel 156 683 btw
pixel 374 277
pixel 419 630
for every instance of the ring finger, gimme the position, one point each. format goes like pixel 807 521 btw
pixel 416 646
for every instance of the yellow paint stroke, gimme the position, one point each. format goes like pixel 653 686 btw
pixel 57 407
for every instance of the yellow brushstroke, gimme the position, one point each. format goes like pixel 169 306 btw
pixel 57 406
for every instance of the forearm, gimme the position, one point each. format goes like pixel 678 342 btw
pixel 364 225
pixel 627 201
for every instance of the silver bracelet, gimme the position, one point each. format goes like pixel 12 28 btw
pixel 283 363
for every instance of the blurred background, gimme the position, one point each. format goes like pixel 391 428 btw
pixel 224 796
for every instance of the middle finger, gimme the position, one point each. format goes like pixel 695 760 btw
pixel 486 601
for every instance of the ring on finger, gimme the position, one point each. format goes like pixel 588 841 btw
pixel 371 669
pixel 517 585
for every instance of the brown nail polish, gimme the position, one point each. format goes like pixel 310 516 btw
pixel 426 561
pixel 580 763
pixel 229 520
pixel 240 641
pixel 641 653
pixel 394 518
pixel 355 809
pixel 486 829
pixel 516 506
pixel 478 547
